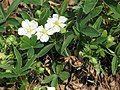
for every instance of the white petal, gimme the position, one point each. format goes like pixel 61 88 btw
pixel 62 25
pixel 26 23
pixel 62 19
pixel 49 25
pixel 56 28
pixel 50 32
pixel 33 24
pixel 21 31
pixel 55 15
pixel 28 35
pixel 44 38
pixel 38 34
pixel 40 28
pixel 49 20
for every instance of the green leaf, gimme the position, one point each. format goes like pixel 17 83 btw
pixel 59 68
pixel 67 42
pixel 19 59
pixel 54 82
pixel 99 40
pixel 89 5
pixel 6 66
pixel 95 12
pixel 7 75
pixel 63 7
pixel 12 7
pixel 114 8
pixel 38 45
pixel 28 64
pixel 44 16
pixel 35 2
pixel 118 8
pixel 48 79
pixel 25 43
pixel 98 23
pixel 30 42
pixel 64 75
pixel 117 50
pixel 89 31
pixel 13 21
pixel 25 15
pixel 45 50
pixel 2 12
pixel 114 65
pixel 30 52
pixel 2 28
pixel 33 40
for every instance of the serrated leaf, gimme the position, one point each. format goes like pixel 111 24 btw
pixel 67 42
pixel 89 5
pixel 45 50
pixel 64 75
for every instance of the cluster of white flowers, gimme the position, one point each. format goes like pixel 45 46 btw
pixel 53 25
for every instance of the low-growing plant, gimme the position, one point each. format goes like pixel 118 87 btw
pixel 89 30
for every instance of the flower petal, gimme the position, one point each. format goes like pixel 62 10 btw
pixel 21 31
pixel 40 28
pixel 33 24
pixel 56 28
pixel 28 35
pixel 62 19
pixel 48 26
pixel 62 25
pixel 50 32
pixel 26 23
pixel 44 38
pixel 55 16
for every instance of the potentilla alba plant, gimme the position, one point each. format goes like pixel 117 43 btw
pixel 56 22
pixel 43 33
pixel 28 28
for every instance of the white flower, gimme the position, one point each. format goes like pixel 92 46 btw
pixel 56 22
pixel 43 33
pixel 28 28
pixel 50 88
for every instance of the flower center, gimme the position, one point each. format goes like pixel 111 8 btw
pixel 57 23
pixel 44 31
pixel 29 30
